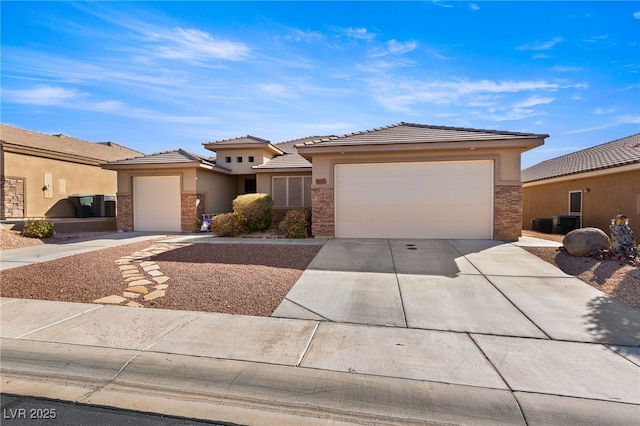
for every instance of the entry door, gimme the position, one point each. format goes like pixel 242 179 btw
pixel 156 203
pixel 446 199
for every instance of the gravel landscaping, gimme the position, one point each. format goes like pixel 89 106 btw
pixel 247 279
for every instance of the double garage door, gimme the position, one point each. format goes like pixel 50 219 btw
pixel 447 199
pixel 156 203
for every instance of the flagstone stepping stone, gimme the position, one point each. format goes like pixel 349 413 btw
pixel 150 268
pixel 138 289
pixel 140 282
pixel 134 304
pixel 130 294
pixel 161 280
pixel 155 273
pixel 128 267
pixel 161 286
pixel 134 278
pixel 147 263
pixel 154 295
pixel 113 300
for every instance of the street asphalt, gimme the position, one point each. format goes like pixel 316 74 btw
pixel 375 331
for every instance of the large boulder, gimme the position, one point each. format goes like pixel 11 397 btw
pixel 581 242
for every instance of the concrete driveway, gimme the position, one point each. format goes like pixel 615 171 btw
pixel 467 286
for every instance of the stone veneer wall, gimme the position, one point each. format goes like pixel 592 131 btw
pixel 191 208
pixel 12 198
pixel 322 212
pixel 507 213
pixel 124 216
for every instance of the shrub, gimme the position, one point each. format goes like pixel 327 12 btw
pixel 38 229
pixel 228 224
pixel 256 208
pixel 297 223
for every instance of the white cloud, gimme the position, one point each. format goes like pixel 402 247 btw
pixel 400 95
pixel 567 69
pixel 637 15
pixel 541 45
pixel 359 33
pixel 622 120
pixel 474 6
pixel 599 111
pixel 307 36
pixel 42 95
pixel 179 43
pixel 533 101
pixel 398 47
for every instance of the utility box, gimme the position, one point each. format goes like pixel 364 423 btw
pixel 82 203
pixel 563 224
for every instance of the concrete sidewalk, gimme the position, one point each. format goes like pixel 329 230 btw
pixel 383 331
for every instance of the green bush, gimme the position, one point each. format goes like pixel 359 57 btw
pixel 256 208
pixel 38 229
pixel 228 225
pixel 298 223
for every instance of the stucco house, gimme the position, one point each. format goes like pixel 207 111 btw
pixel 40 171
pixel 595 184
pixel 404 180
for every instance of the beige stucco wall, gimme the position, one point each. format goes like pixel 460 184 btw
pixel 608 195
pixel 66 179
pixel 219 190
pixel 260 156
pixel 506 162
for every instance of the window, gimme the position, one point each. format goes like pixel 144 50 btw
pixel 251 160
pixel 239 159
pixel 227 159
pixel 292 191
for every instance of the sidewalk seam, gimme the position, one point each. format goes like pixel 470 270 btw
pixel 306 349
pixel 395 273
pixel 59 321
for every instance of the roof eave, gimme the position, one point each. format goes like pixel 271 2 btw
pixel 524 144
pixel 283 169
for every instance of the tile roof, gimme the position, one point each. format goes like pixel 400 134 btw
pixel 616 153
pixel 102 151
pixel 177 157
pixel 248 139
pixel 416 133
pixel 291 158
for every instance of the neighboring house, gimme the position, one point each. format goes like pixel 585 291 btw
pixel 595 184
pixel 40 171
pixel 404 180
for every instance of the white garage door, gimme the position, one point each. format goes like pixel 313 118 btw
pixel 156 203
pixel 447 199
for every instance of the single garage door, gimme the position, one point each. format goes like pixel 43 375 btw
pixel 156 203
pixel 446 199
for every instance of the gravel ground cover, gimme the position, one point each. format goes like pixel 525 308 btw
pixel 230 278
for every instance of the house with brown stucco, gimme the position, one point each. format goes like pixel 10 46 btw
pixel 39 172
pixel 399 181
pixel 594 185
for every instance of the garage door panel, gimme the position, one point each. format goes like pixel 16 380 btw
pixel 156 203
pixel 424 213
pixel 429 200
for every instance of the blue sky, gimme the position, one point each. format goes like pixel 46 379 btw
pixel 157 76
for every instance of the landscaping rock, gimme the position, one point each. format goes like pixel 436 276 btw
pixel 584 241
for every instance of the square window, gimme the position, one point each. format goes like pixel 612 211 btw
pixel 251 159
pixel 239 159
pixel 227 159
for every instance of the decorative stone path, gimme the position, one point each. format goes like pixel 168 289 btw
pixel 142 276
